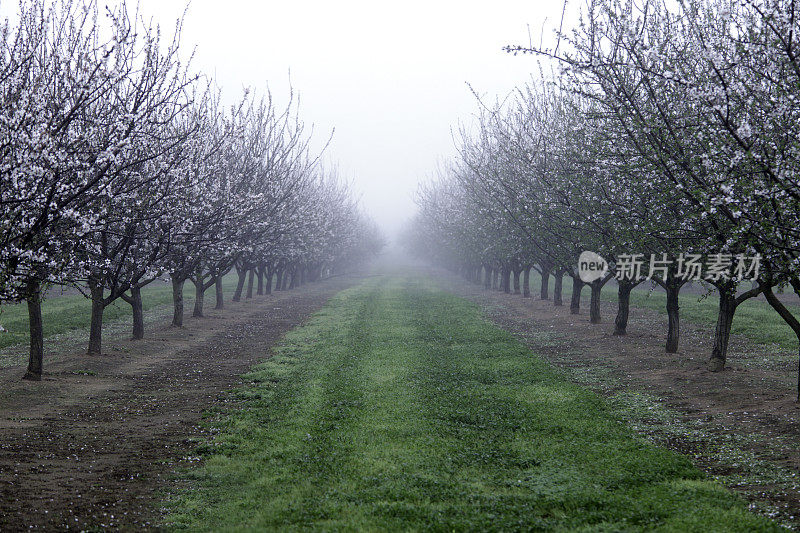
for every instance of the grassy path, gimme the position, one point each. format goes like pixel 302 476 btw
pixel 399 408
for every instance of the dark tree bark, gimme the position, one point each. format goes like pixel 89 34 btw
pixel 594 302
pixel 218 290
pixel 278 279
pixel 722 331
pixel 487 277
pixel 36 355
pixel 177 300
pixel 557 284
pixel 789 318
pixel 250 278
pixel 623 305
pixel 517 288
pixel 268 280
pixel 526 282
pixel 728 302
pixel 506 282
pixel 96 324
pixel 138 312
pixel 672 285
pixel 575 302
pixel 242 273
pixel 544 289
pixel 199 296
pixel 260 272
pixel 673 317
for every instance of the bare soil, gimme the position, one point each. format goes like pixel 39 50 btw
pixel 92 445
pixel 752 400
pixel 96 442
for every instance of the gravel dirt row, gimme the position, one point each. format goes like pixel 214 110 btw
pixel 94 444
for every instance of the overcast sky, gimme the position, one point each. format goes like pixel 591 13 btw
pixel 391 77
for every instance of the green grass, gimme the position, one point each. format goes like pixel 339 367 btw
pixel 754 319
pixel 61 314
pixel 398 407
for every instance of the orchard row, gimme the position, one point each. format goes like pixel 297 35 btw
pixel 120 165
pixel 664 129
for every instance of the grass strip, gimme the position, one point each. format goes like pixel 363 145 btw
pixel 399 407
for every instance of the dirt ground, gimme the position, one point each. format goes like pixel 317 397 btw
pixel 750 404
pixel 90 445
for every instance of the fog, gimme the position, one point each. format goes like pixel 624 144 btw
pixel 391 78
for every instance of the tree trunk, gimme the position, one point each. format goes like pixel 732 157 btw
pixel 507 280
pixel 199 294
pixel 517 288
pixel 96 324
pixel 575 303
pixel 260 272
pixel 138 312
pixel 278 279
pixel 557 284
pixel 594 303
pixel 218 290
pixel 268 281
pixel 789 318
pixel 285 281
pixel 722 331
pixel 250 283
pixel 487 278
pixel 177 300
pixel 545 284
pixel 242 273
pixel 673 315
pixel 526 282
pixel 36 355
pixel 623 305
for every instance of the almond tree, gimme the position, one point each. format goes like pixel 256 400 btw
pixel 61 153
pixel 647 69
pixel 203 200
pixel 132 213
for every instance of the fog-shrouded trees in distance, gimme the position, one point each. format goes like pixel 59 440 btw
pixel 119 165
pixel 669 130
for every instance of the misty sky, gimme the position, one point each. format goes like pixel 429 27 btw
pixel 389 76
